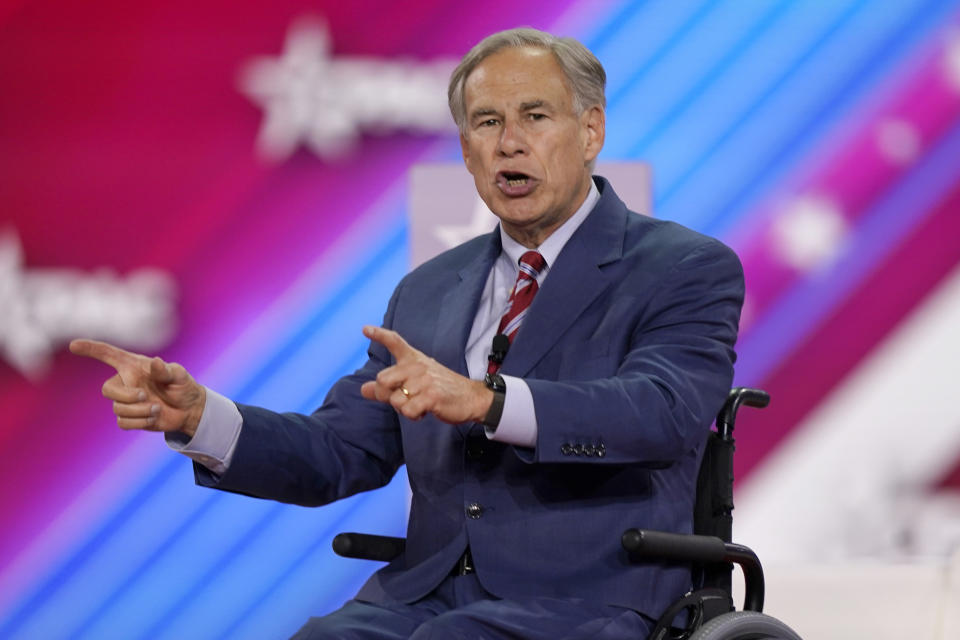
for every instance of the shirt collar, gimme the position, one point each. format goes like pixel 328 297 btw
pixel 551 247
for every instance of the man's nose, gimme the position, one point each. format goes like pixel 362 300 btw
pixel 512 139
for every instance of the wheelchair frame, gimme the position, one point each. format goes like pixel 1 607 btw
pixel 710 613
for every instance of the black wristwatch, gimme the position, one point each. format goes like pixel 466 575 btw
pixel 495 383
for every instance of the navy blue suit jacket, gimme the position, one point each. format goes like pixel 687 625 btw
pixel 628 352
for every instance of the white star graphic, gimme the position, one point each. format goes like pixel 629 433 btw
pixel 310 98
pixel 481 221
pixel 809 232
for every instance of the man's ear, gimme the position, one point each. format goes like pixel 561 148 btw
pixel 593 123
pixel 465 148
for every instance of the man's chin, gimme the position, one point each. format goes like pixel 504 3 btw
pixel 519 219
pixel 520 209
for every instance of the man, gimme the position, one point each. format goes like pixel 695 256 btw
pixel 619 333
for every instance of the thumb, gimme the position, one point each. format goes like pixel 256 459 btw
pixel 160 371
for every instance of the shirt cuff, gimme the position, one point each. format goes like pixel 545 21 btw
pixel 216 438
pixel 518 423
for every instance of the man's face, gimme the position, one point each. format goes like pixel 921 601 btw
pixel 526 148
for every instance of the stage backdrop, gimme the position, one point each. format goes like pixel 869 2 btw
pixel 225 184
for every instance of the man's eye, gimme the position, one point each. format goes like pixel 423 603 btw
pixel 537 116
pixel 489 122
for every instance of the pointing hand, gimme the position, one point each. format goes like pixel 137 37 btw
pixel 417 384
pixel 147 393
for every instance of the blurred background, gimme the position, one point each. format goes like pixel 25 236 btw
pixel 225 184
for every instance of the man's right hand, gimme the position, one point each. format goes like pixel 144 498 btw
pixel 147 393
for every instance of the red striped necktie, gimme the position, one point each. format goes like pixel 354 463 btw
pixel 531 264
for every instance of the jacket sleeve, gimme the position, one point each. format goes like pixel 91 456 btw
pixel 664 389
pixel 348 445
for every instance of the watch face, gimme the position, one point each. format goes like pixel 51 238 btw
pixel 494 381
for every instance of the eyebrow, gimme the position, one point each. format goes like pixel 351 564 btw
pixel 524 106
pixel 485 111
pixel 533 104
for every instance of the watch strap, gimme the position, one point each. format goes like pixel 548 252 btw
pixel 496 384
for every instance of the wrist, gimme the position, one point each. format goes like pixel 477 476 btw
pixel 484 400
pixel 195 413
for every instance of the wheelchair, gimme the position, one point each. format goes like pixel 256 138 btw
pixel 707 612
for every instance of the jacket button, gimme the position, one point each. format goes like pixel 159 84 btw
pixel 474 510
pixel 578 449
pixel 589 450
pixel 566 449
pixel 475 451
pixel 601 450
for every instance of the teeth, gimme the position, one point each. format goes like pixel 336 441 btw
pixel 517 182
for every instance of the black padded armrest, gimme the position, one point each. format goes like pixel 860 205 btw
pixel 368 547
pixel 643 544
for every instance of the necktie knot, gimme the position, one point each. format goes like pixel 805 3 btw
pixel 532 263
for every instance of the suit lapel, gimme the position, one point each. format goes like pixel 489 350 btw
pixel 459 307
pixel 572 284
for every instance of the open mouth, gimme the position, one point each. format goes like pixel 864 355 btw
pixel 516 179
pixel 515 183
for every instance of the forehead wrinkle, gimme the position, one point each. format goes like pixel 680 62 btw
pixel 502 80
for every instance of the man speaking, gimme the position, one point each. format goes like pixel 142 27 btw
pixel 548 385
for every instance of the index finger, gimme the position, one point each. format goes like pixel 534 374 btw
pixel 392 340
pixel 102 351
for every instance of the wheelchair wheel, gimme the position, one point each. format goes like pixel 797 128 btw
pixel 745 625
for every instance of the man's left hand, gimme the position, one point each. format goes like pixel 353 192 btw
pixel 417 384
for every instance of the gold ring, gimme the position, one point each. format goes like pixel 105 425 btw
pixel 404 391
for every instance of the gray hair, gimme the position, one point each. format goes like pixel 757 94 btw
pixel 583 71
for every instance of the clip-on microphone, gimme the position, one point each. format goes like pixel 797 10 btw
pixel 498 351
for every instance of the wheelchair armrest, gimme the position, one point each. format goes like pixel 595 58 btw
pixel 738 396
pixel 643 544
pixel 365 546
